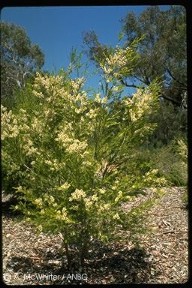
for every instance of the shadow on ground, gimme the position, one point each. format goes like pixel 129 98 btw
pixel 7 207
pixel 106 265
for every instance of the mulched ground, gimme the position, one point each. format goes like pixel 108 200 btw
pixel 161 257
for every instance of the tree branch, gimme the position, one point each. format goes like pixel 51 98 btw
pixel 170 74
pixel 178 103
pixel 128 85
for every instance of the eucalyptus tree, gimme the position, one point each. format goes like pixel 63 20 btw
pixel 159 38
pixel 19 59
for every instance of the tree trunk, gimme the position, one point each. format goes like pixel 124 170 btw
pixel 68 255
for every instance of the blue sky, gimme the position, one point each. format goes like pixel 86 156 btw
pixel 57 29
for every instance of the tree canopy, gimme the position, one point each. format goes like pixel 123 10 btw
pixel 162 49
pixel 19 58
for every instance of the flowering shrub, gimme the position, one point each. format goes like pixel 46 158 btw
pixel 119 62
pixel 183 150
pixel 72 155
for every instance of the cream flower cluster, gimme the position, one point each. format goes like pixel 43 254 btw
pixel 78 194
pixel 54 164
pixel 51 89
pixel 151 177
pixel 77 84
pixel 58 215
pixel 92 113
pixel 29 148
pixel 39 202
pixel 77 146
pixel 49 198
pixel 9 124
pixel 64 186
pixel 91 202
pixel 182 149
pixel 47 81
pixel 37 125
pixel 64 138
pixel 99 99
pixel 70 144
pixel 105 207
pixel 80 101
pixel 139 104
pixel 54 93
pixel 62 214
pixel 117 62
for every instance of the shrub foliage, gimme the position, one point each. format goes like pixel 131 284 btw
pixel 69 157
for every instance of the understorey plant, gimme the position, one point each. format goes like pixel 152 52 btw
pixel 73 153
